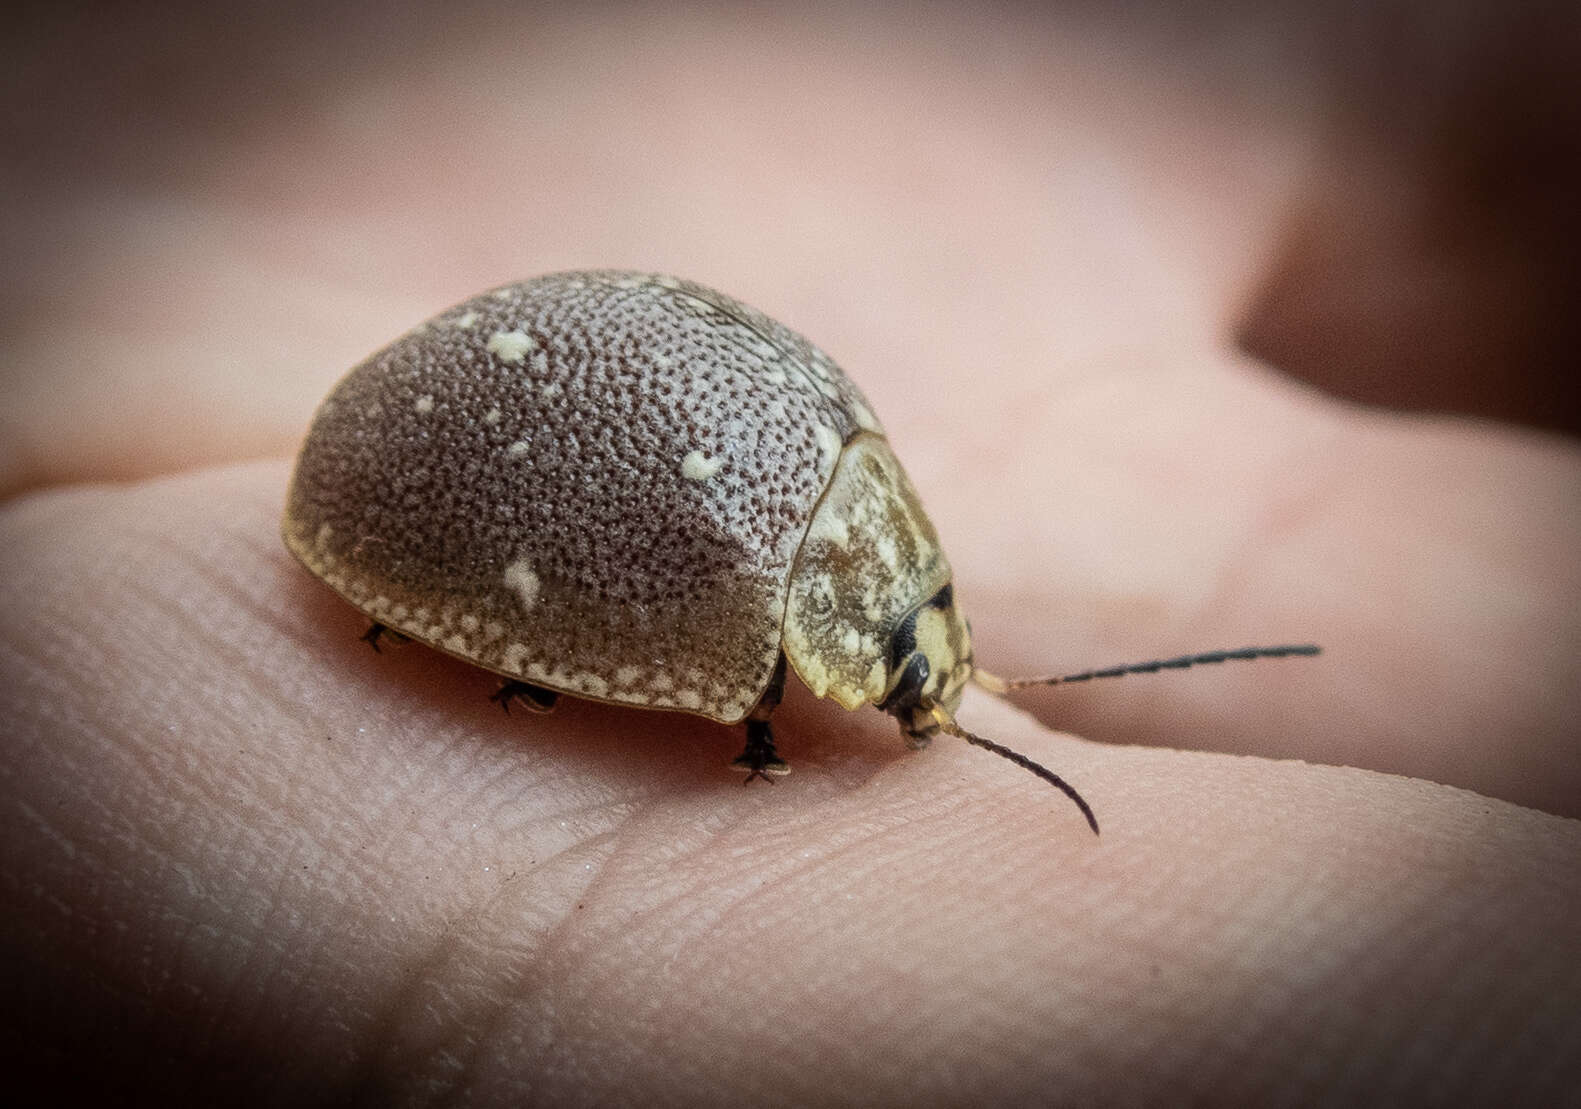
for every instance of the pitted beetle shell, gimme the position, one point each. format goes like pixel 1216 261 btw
pixel 619 486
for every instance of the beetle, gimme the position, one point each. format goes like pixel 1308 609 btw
pixel 632 488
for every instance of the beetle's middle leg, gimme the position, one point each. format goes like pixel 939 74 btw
pixel 377 631
pixel 535 697
pixel 760 759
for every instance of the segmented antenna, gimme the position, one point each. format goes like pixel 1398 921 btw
pixel 995 684
pixel 948 725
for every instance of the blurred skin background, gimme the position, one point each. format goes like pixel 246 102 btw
pixel 1425 248
pixel 212 210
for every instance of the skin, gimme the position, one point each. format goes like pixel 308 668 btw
pixel 244 856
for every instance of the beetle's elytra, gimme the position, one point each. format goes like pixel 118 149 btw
pixel 631 488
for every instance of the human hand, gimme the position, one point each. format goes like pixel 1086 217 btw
pixel 246 854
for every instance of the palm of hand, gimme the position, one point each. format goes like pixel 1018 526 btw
pixel 228 817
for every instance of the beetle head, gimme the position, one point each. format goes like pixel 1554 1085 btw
pixel 930 662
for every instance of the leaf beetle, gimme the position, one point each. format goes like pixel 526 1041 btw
pixel 634 489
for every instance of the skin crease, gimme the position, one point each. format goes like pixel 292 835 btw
pixel 244 856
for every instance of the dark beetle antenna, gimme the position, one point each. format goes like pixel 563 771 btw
pixel 995 684
pixel 948 725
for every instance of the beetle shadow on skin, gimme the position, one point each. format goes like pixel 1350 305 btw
pixel 412 691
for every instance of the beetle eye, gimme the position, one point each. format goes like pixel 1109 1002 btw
pixel 908 690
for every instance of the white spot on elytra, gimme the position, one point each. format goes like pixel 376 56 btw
pixel 466 319
pixel 492 416
pixel 520 447
pixel 851 642
pixel 688 699
pixel 521 580
pixel 551 390
pixel 511 346
pixel 776 376
pixel 424 405
pixel 324 532
pixel 697 466
pixel 457 644
pixel 627 675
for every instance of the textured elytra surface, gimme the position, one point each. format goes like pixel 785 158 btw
pixel 597 482
pixel 870 557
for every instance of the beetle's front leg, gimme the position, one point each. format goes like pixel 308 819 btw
pixel 760 759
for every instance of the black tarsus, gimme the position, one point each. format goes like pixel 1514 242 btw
pixel 535 697
pixel 377 631
pixel 759 759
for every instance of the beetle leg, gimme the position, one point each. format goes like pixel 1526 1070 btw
pixel 760 759
pixel 377 631
pixel 535 697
